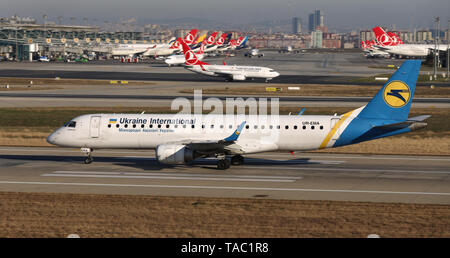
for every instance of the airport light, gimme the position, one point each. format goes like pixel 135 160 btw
pixel 45 16
pixel 448 49
pixel 436 52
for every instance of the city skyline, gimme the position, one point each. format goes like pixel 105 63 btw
pixel 345 16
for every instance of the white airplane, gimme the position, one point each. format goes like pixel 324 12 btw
pixel 182 138
pixel 392 46
pixel 131 49
pixel 253 52
pixel 181 60
pixel 230 72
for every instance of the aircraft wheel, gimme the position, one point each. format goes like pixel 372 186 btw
pixel 88 160
pixel 237 160
pixel 223 164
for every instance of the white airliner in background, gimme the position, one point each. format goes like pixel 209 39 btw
pixel 182 138
pixel 230 72
pixel 392 46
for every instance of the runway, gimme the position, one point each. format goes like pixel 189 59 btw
pixel 306 68
pixel 27 99
pixel 306 176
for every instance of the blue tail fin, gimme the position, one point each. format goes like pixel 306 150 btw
pixel 393 101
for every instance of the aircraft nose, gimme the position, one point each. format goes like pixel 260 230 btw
pixel 52 138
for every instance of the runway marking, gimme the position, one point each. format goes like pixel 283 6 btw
pixel 229 188
pixel 350 156
pixel 128 175
pixel 351 170
pixel 172 174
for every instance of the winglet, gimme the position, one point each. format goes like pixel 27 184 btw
pixel 301 112
pixel 236 133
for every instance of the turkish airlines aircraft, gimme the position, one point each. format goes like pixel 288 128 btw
pixel 387 44
pixel 181 60
pixel 370 51
pixel 230 72
pixel 182 138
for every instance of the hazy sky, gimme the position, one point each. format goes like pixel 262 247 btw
pixel 404 14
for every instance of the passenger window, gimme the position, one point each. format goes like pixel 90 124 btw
pixel 117 125
pixel 109 126
pixel 304 127
pixel 167 126
pixel 247 126
pixel 192 126
pixel 312 127
pixel 221 126
pixel 203 126
pixel 126 125
pixel 159 126
pixel 262 126
pixel 176 126
pixel 295 127
pixel 142 126
pixel 271 127
pixel 321 127
pixel 230 126
pixel 256 127
pixel 134 126
pixel 184 126
pixel 286 127
pixel 278 127
pixel 212 126
pixel 151 126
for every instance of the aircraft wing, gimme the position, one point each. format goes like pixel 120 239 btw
pixel 225 145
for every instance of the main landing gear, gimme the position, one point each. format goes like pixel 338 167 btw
pixel 87 152
pixel 223 163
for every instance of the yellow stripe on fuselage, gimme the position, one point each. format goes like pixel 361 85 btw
pixel 334 129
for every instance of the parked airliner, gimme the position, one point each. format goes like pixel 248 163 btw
pixel 182 138
pixel 394 47
pixel 229 72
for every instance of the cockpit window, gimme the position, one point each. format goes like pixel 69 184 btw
pixel 70 124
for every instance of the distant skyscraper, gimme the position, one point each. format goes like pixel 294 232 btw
pixel 296 25
pixel 312 23
pixel 315 19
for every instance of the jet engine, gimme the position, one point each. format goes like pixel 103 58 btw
pixel 238 77
pixel 174 154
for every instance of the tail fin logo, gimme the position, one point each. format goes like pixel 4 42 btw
pixel 191 59
pixel 396 94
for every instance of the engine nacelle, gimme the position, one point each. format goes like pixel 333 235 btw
pixel 174 154
pixel 238 77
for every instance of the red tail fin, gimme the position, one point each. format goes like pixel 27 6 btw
pixel 221 40
pixel 209 40
pixel 382 37
pixel 176 44
pixel 363 45
pixel 190 56
pixel 190 37
pixel 395 37
pixel 239 41
pixel 202 48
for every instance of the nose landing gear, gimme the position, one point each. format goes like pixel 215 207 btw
pixel 87 152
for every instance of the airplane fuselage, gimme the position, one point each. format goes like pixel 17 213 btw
pixel 235 72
